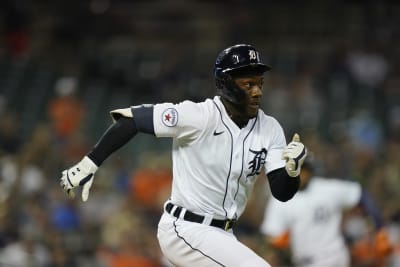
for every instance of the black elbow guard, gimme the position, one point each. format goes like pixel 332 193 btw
pixel 283 187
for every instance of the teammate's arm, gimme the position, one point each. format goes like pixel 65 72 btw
pixel 275 227
pixel 379 239
pixel 371 209
pixel 278 248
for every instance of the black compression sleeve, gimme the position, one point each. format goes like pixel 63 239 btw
pixel 283 187
pixel 117 135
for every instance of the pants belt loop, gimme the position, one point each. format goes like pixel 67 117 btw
pixel 182 214
pixel 207 219
pixel 174 207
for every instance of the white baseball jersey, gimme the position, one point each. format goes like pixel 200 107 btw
pixel 215 163
pixel 313 218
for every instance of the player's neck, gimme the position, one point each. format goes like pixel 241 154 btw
pixel 235 113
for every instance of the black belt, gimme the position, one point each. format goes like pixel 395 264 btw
pixel 192 217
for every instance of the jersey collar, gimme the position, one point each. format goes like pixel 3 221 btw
pixel 227 118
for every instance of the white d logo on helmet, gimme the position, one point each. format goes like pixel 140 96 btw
pixel 252 54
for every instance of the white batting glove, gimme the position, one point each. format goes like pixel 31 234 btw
pixel 295 153
pixel 81 174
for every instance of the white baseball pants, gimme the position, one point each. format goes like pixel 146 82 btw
pixel 190 244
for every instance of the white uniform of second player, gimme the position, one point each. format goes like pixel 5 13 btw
pixel 313 219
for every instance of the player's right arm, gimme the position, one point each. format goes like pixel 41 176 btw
pixel 124 128
pixel 160 120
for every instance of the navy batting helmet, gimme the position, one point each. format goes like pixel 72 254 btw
pixel 235 61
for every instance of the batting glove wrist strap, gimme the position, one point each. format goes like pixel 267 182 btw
pixel 294 154
pixel 80 174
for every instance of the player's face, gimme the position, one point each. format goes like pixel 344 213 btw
pixel 252 86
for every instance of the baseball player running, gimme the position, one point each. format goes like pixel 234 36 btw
pixel 219 147
pixel 311 222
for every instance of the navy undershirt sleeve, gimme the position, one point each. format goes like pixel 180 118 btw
pixel 283 187
pixel 143 116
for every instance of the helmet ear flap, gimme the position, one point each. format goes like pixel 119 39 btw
pixel 229 90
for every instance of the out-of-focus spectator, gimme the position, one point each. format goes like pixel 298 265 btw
pixel 122 247
pixel 151 181
pixel 119 223
pixel 392 104
pixel 10 139
pixel 66 114
pixel 25 251
pixel 384 182
pixel 307 98
pixel 277 99
pixel 369 70
pixel 371 250
pixel 66 111
pixel 365 131
pixel 25 173
pixel 64 217
pixel 16 21
pixel 368 67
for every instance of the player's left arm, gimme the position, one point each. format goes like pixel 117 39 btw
pixel 283 187
pixel 284 164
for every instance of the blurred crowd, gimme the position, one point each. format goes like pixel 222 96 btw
pixel 343 98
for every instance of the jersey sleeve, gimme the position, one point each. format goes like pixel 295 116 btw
pixel 348 192
pixel 274 222
pixel 185 120
pixel 277 145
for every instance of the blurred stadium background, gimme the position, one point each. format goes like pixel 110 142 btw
pixel 65 64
